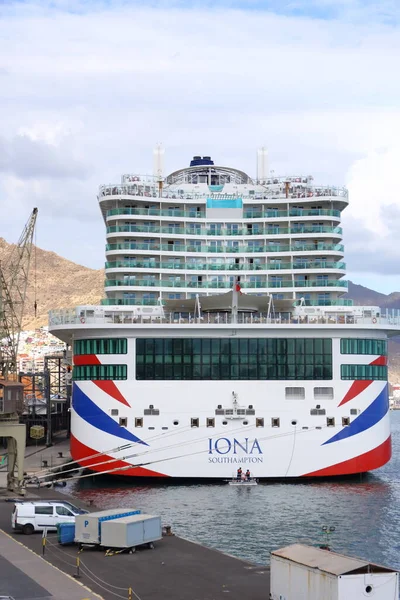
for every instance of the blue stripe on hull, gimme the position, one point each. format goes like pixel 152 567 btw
pixel 367 419
pixel 92 414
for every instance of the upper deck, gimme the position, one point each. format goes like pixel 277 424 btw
pixel 88 319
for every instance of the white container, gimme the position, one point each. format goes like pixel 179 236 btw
pixel 300 572
pixel 129 532
pixel 88 528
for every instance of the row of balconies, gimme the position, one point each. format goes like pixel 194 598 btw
pixel 226 248
pixel 230 230
pixel 264 283
pixel 271 265
pixel 142 301
pixel 248 213
pixel 204 266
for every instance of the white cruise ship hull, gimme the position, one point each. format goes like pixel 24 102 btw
pixel 280 438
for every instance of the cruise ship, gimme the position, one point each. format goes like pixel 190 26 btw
pixel 224 339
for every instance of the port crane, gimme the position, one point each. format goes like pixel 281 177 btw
pixel 13 285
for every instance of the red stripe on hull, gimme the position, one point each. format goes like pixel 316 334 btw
pixel 360 464
pixel 356 388
pixel 86 359
pixel 81 453
pixel 111 389
pixel 381 360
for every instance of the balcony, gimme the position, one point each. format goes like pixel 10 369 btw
pixel 226 249
pixel 224 266
pixel 250 213
pixel 222 284
pixel 224 231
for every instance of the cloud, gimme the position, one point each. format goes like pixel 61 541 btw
pixel 91 86
pixel 28 158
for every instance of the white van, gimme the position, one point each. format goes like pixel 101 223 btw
pixel 37 516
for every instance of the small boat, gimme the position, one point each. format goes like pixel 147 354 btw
pixel 243 482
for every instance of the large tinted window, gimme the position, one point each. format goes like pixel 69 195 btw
pixel 43 510
pixel 370 372
pixel 99 372
pixel 101 346
pixel 363 346
pixel 238 358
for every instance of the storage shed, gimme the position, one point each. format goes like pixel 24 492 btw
pixel 301 572
pixel 11 397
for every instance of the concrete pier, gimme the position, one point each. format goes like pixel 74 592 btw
pixel 176 569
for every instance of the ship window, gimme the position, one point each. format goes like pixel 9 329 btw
pixel 323 393
pixel 210 422
pixel 194 422
pixel 295 393
pixel 123 421
pixel 260 422
pixel 114 412
pixel 138 422
pixel 99 372
pixel 363 346
pixel 275 422
pixel 233 359
pixel 365 372
pixel 101 346
pixel 317 411
pixel 330 421
pixel 354 411
pixel 345 421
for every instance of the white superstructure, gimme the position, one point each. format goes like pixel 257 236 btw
pixel 223 339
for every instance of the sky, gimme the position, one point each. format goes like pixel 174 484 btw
pixel 87 88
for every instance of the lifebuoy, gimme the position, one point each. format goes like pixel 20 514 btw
pixel 374 320
pixel 82 319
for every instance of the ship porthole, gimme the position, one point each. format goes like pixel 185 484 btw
pixel 245 422
pixel 368 589
pixel 294 422
pixel 176 422
pixel 224 422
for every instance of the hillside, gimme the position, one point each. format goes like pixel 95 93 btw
pixel 61 283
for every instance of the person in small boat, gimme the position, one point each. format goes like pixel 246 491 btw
pixel 248 475
pixel 239 474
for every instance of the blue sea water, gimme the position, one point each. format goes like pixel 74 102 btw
pixel 249 523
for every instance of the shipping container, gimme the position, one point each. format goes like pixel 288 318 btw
pixel 300 572
pixel 88 527
pixel 129 532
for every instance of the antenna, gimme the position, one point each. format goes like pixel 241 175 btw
pixel 262 165
pixel 158 161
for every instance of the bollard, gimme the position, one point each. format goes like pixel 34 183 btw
pixel 78 572
pixel 130 593
pixel 60 455
pixel 43 545
pixel 45 463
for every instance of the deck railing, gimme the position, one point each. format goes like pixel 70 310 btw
pixel 69 317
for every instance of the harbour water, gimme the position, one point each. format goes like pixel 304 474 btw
pixel 249 523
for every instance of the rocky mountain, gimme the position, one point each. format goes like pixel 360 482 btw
pixel 55 283
pixel 59 283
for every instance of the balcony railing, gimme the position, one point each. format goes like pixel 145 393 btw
pixel 223 231
pixel 156 302
pixel 271 266
pixel 223 266
pixel 131 282
pixel 226 249
pixel 152 191
pixel 248 213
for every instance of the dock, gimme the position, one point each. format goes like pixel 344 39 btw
pixel 177 569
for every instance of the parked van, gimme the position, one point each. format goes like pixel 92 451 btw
pixel 37 516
